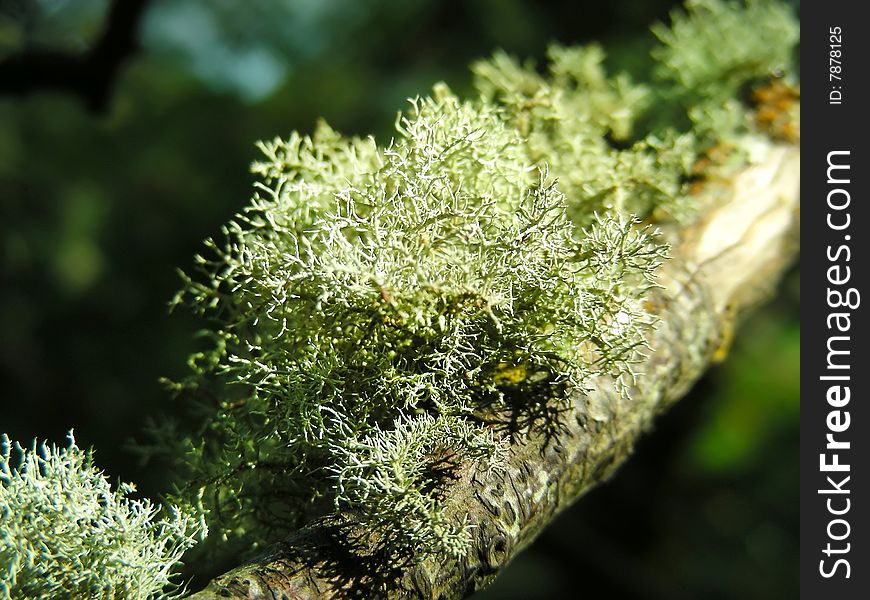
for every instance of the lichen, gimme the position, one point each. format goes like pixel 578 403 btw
pixel 351 304
pixel 570 121
pixel 66 533
pixel 384 319
pixel 374 305
pixel 714 50
pixel 714 47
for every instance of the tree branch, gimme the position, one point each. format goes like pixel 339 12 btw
pixel 89 75
pixel 724 264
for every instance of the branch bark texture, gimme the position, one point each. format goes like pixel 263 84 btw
pixel 721 266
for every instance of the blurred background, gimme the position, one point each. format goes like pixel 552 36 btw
pixel 113 172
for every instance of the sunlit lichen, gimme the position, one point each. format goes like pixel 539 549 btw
pixel 352 303
pixel 378 309
pixel 65 533
pixel 375 303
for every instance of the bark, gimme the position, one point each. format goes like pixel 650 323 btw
pixel 721 266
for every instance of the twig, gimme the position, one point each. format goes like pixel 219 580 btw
pixel 90 75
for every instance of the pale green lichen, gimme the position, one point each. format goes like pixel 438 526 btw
pixel 378 310
pixel 386 475
pixel 569 122
pixel 376 307
pixel 711 52
pixel 715 47
pixel 412 288
pixel 65 533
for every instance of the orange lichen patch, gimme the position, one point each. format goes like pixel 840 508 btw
pixel 777 110
pixel 705 169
